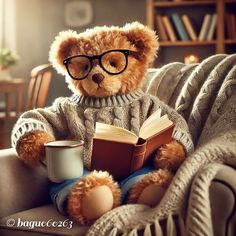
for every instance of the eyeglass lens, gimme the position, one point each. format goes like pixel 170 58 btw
pixel 113 62
pixel 79 67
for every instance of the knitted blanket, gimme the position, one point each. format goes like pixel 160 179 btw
pixel 205 94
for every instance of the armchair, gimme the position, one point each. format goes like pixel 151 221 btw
pixel 24 191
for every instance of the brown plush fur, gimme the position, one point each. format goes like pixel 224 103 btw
pixel 170 156
pixel 80 190
pixel 30 147
pixel 98 40
pixel 160 177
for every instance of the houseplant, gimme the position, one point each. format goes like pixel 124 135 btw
pixel 7 58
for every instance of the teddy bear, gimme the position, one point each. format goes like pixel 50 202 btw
pixel 104 68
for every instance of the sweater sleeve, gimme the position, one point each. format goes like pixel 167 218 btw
pixel 50 119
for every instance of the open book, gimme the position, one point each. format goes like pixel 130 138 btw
pixel 121 152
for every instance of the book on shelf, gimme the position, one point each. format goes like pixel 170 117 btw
pixel 231 25
pixel 189 27
pixel 121 152
pixel 208 27
pixel 169 28
pixel 212 27
pixel 233 22
pixel 179 26
pixel 204 28
pixel 161 29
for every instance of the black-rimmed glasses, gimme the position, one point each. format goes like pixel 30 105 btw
pixel 113 62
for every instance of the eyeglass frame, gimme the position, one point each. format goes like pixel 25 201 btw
pixel 126 53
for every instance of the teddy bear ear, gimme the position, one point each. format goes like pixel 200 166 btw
pixel 144 40
pixel 61 49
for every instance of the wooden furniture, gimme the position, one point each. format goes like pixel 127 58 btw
pixel 197 9
pixel 10 88
pixel 37 90
pixel 38 86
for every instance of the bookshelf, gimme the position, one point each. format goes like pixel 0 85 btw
pixel 196 10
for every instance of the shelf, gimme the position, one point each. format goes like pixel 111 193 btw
pixel 194 43
pixel 219 44
pixel 230 1
pixel 187 43
pixel 184 3
pixel 230 41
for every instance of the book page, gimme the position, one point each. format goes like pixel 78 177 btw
pixel 155 126
pixel 155 116
pixel 114 133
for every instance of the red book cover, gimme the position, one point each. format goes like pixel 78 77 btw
pixel 123 157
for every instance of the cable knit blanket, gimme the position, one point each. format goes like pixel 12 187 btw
pixel 205 94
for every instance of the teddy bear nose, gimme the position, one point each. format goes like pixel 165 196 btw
pixel 98 78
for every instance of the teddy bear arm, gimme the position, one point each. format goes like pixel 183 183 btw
pixel 30 147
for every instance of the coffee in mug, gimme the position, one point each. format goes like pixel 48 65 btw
pixel 64 160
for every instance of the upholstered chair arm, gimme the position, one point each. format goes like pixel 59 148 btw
pixel 223 201
pixel 219 197
pixel 21 187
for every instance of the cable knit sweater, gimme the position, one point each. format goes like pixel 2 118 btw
pixel 75 118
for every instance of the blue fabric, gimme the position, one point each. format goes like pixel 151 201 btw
pixel 59 194
pixel 58 188
pixel 59 191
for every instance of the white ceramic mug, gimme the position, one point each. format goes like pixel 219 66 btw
pixel 64 160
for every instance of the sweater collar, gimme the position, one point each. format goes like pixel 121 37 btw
pixel 115 100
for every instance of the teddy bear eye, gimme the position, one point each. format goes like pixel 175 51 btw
pixel 86 67
pixel 113 63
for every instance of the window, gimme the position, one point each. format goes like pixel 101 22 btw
pixel 1 23
pixel 7 24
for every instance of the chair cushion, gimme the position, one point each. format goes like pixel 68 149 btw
pixel 223 201
pixel 22 187
pixel 27 223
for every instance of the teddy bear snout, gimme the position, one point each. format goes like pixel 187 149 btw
pixel 98 78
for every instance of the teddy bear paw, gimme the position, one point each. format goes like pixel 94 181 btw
pixel 170 156
pixel 30 147
pixel 93 196
pixel 151 188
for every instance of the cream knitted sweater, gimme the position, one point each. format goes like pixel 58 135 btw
pixel 75 117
